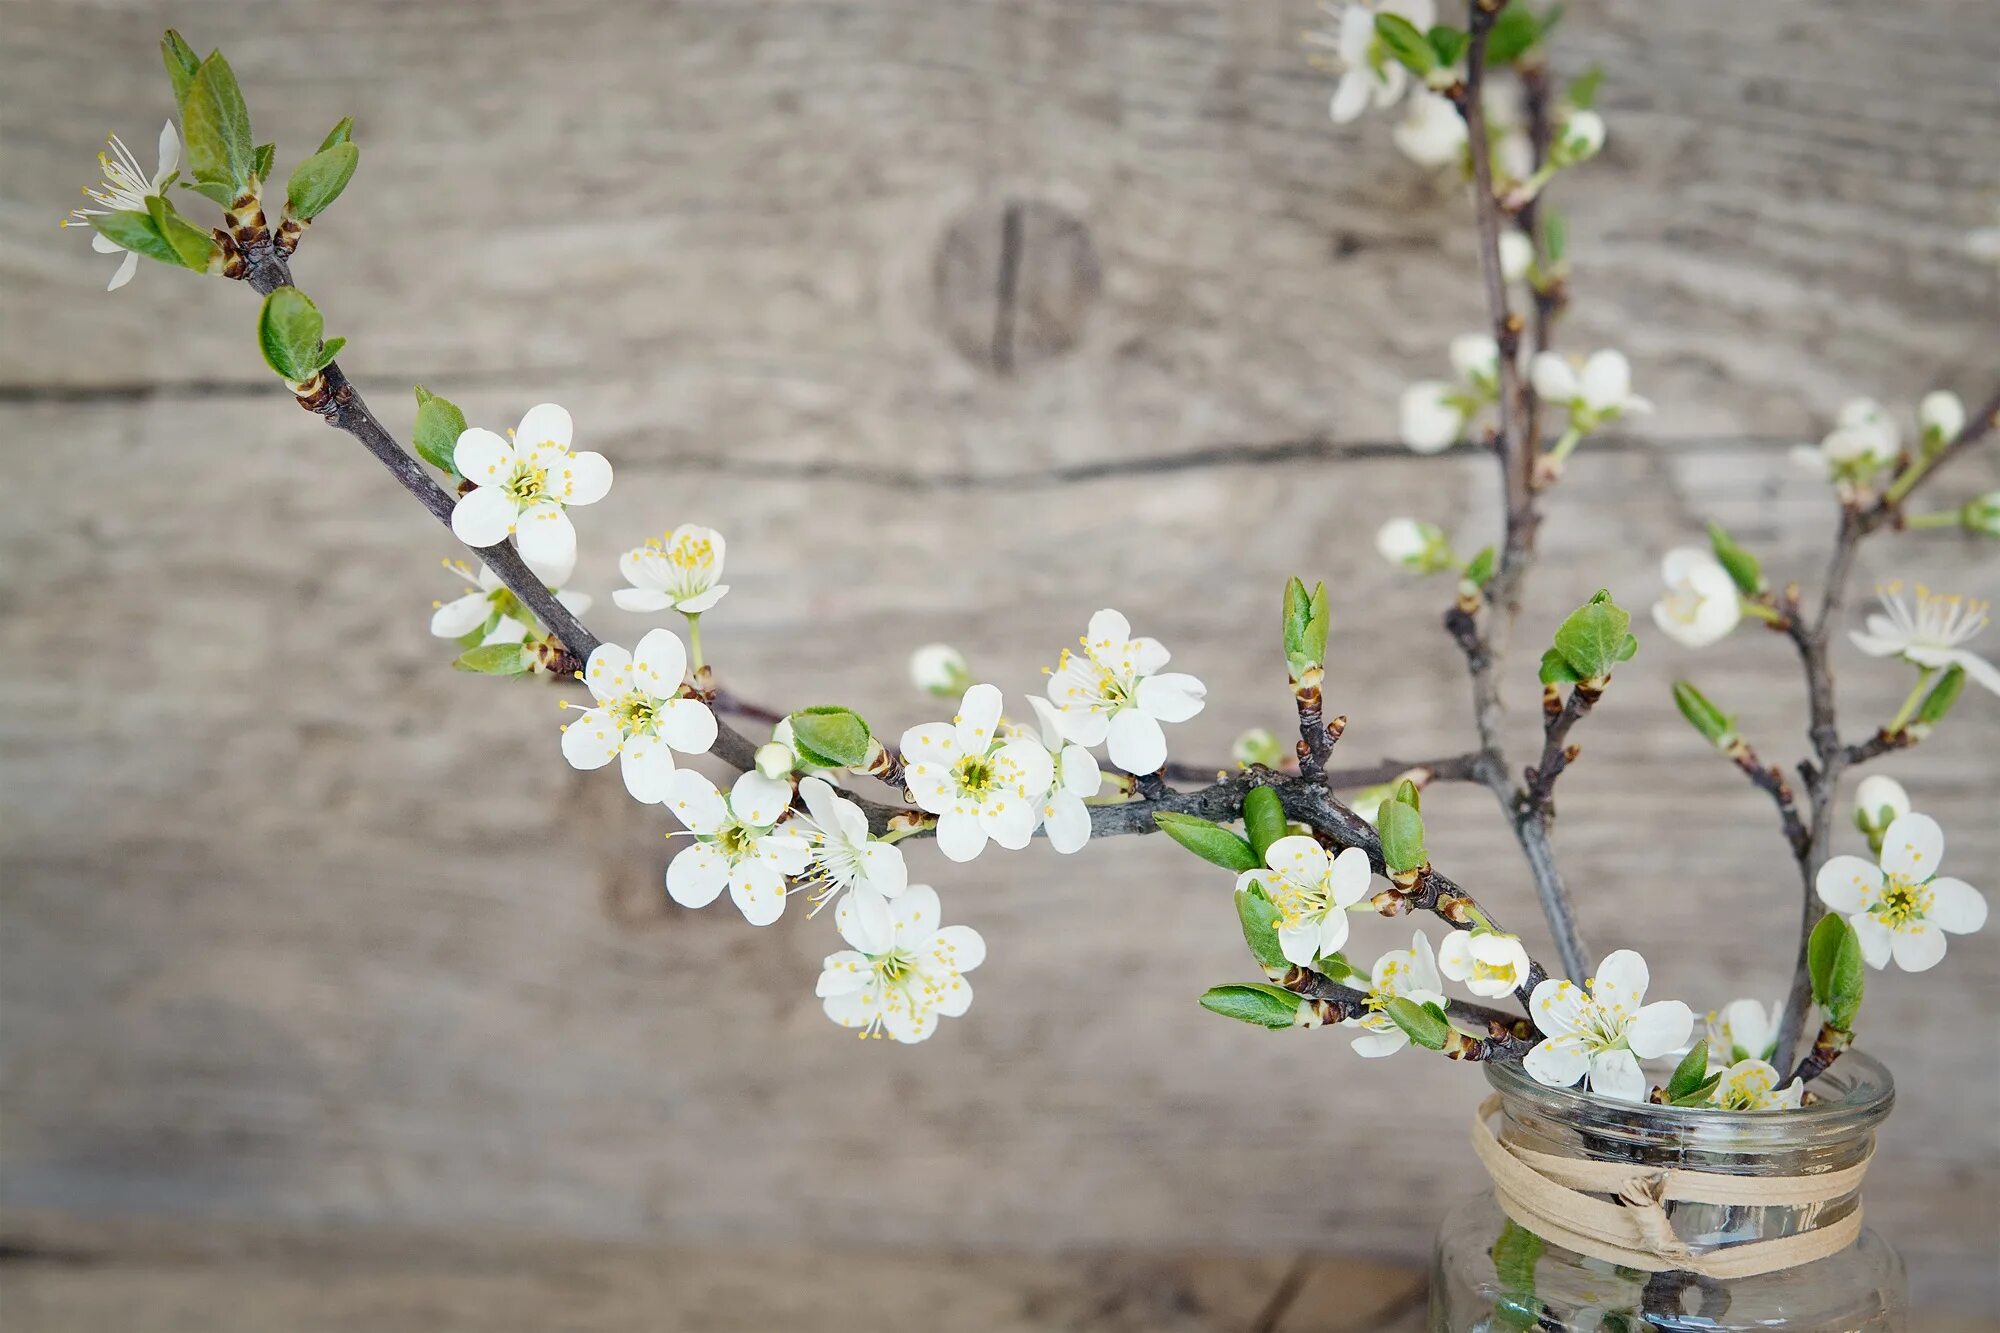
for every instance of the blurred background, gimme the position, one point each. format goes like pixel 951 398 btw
pixel 333 998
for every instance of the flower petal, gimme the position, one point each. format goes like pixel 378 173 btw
pixel 697 875
pixel 883 868
pixel 1912 848
pixel 461 615
pixel 1348 877
pixel 1621 980
pixel 1066 819
pixel 543 532
pixel 608 673
pixel 1874 937
pixel 1375 1045
pixel 687 725
pixel 960 835
pixel 1553 378
pixel 1558 1061
pixel 694 801
pixel 862 917
pixel 1174 696
pixel 953 949
pixel 756 799
pixel 1917 947
pixel 1137 744
pixel 1659 1028
pixel 854 1008
pixel 1956 906
pixel 1011 820
pixel 640 599
pixel 908 1025
pixel 1847 883
pixel 1616 1074
pixel 1607 379
pixel 647 764
pixel 589 479
pixel 483 517
pixel 758 891
pixel 481 457
pixel 659 663
pixel 1300 944
pixel 1557 1007
pixel 545 424
pixel 978 719
pixel 590 739
pixel 845 972
pixel 1108 629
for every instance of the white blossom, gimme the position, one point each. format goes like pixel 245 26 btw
pixel 1431 416
pixel 1430 131
pixel 1476 358
pixel 1489 962
pixel 1413 545
pixel 1902 908
pixel 904 971
pixel 1408 974
pixel 844 855
pixel 489 605
pixel 1599 391
pixel 1579 138
pixel 1864 438
pixel 1603 1031
pixel 1752 1085
pixel 740 843
pixel 1074 780
pixel 980 781
pixel 1367 73
pixel 1929 634
pixel 939 669
pixel 1115 692
pixel 1701 604
pixel 1312 893
pixel 640 716
pixel 1879 802
pixel 1940 417
pixel 1517 255
pixel 125 188
pixel 523 485
pixel 1742 1030
pixel 677 574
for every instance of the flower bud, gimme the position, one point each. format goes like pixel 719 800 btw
pixel 1938 702
pixel 1717 726
pixel 1517 255
pixel 1429 418
pixel 1419 547
pixel 1581 139
pixel 1982 514
pixel 1879 802
pixel 1941 417
pixel 940 669
pixel 1476 357
pixel 775 760
pixel 1258 746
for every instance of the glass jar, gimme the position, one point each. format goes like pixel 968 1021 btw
pixel 1491 1275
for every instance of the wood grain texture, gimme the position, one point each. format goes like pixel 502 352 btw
pixel 295 929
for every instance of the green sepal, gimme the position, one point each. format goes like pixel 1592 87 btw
pixel 138 233
pixel 1699 1094
pixel 340 133
pixel 1306 624
pixel 1744 569
pixel 1263 820
pixel 1833 962
pixel 1703 716
pixel 1402 831
pixel 829 736
pixel 1690 1072
pixel 318 181
pixel 1210 841
pixel 439 424
pixel 1259 918
pixel 497 659
pixel 216 126
pixel 1591 640
pixel 1424 1024
pixel 181 62
pixel 1939 701
pixel 1251 1002
pixel 1448 43
pixel 289 329
pixel 1401 39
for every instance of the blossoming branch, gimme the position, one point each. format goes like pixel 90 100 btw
pixel 823 808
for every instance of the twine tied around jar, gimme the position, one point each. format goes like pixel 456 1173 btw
pixel 1555 1196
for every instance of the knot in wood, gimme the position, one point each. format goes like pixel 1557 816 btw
pixel 1013 280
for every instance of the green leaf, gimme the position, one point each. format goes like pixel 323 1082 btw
pixel 138 233
pixel 1402 836
pixel 1408 793
pixel 1448 43
pixel 1833 962
pixel 1259 919
pixel 1263 819
pixel 1582 90
pixel 216 192
pixel 1593 638
pixel 1515 1255
pixel 1424 1024
pixel 1480 568
pixel 1698 1095
pixel 1743 567
pixel 341 133
pixel 439 424
pixel 1555 670
pixel 1211 842
pixel 1400 38
pixel 216 125
pixel 1513 33
pixel 1690 1072
pixel 1306 625
pixel 1335 967
pixel 1555 236
pixel 318 181
pixel 1703 716
pixel 329 351
pixel 1266 1006
pixel 266 158
pixel 181 62
pixel 495 659
pixel 1939 701
pixel 829 736
pixel 289 330
pixel 192 247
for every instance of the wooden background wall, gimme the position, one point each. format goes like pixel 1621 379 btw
pixel 302 928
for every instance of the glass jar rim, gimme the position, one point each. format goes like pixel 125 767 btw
pixel 1856 1093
